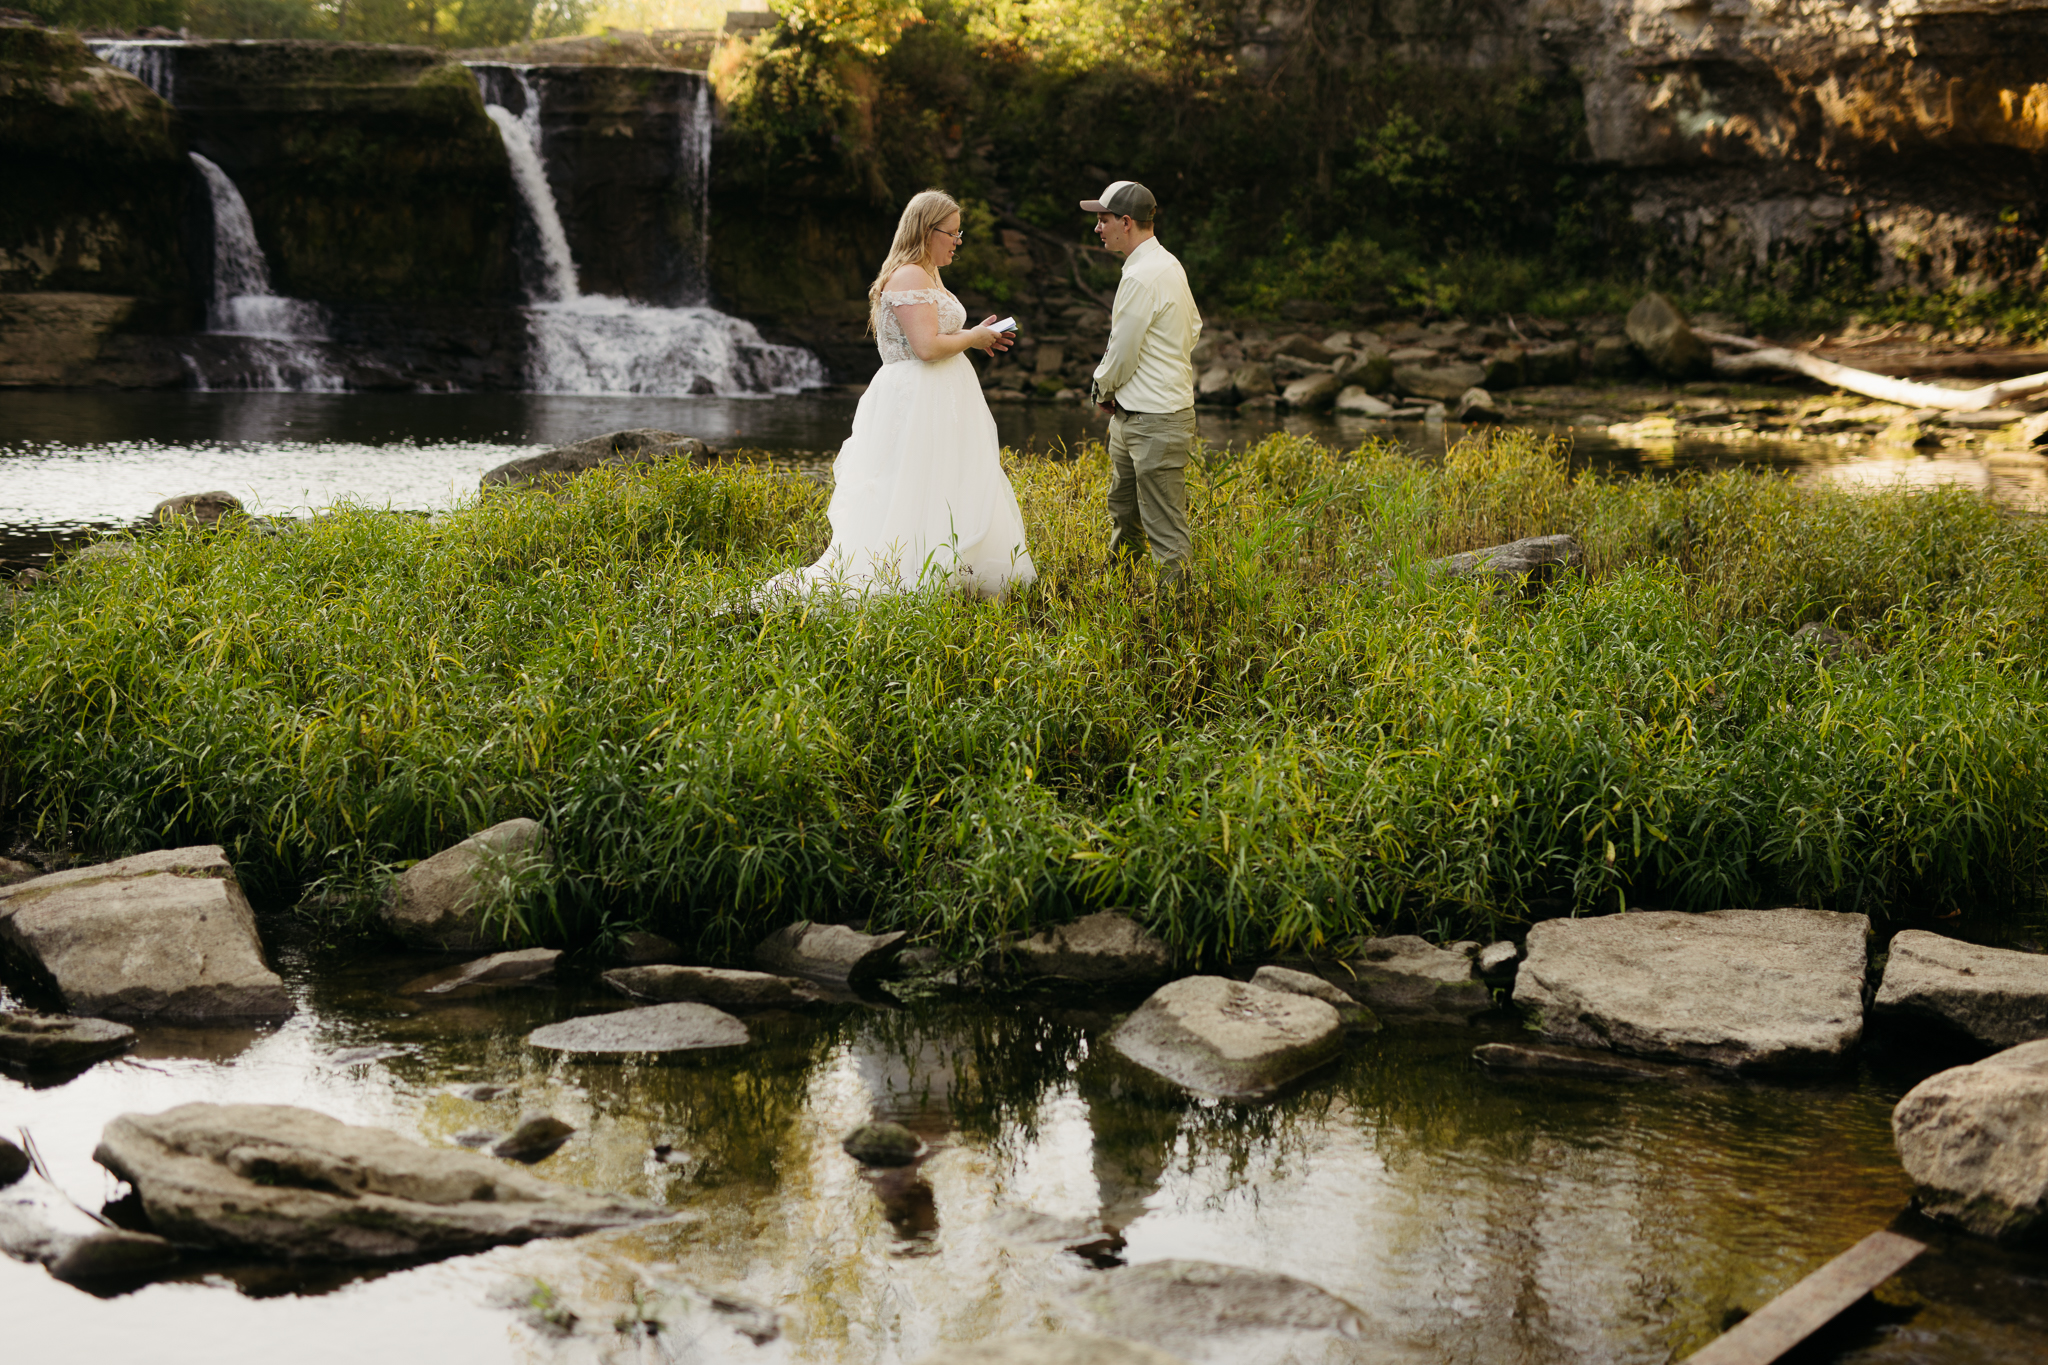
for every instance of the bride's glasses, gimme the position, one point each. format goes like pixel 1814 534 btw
pixel 957 237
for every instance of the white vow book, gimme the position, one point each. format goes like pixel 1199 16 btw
pixel 1007 325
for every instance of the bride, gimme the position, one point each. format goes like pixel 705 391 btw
pixel 918 492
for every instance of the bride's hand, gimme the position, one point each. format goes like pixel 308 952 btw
pixel 998 342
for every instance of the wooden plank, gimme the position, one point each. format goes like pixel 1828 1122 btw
pixel 1811 1304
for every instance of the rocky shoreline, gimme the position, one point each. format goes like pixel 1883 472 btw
pixel 1636 997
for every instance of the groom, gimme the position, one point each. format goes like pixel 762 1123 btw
pixel 1146 382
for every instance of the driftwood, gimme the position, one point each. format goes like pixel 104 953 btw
pixel 1758 356
pixel 1767 1334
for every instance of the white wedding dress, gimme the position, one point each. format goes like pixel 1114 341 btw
pixel 919 498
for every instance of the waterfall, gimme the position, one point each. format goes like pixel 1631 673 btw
pixel 243 306
pixel 146 59
pixel 592 343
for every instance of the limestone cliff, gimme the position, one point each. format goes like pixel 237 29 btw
pixel 371 172
pixel 95 173
pixel 1897 138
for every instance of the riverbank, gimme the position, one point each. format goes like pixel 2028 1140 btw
pixel 1325 739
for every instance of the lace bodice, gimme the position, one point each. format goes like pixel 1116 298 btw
pixel 889 338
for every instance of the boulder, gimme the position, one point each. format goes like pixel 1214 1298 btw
pixel 1227 1038
pixel 1252 380
pixel 499 969
pixel 1216 385
pixel 14 1163
pixel 1373 371
pixel 1198 1308
pixel 641 446
pixel 1312 391
pixel 727 989
pixel 1304 347
pixel 831 953
pixel 641 948
pixel 1476 406
pixel 1103 949
pixel 1975 1141
pixel 1551 362
pixel 1613 358
pixel 1444 381
pixel 1496 963
pixel 1666 340
pixel 1993 996
pixel 882 1144
pixel 1503 369
pixel 102 1256
pixel 13 870
pixel 681 1027
pixel 1551 1059
pixel 439 902
pixel 278 1181
pixel 1529 564
pixel 538 1136
pixel 1408 977
pixel 1744 990
pixel 203 508
pixel 1353 1016
pixel 59 1042
pixel 1353 398
pixel 1830 644
pixel 160 936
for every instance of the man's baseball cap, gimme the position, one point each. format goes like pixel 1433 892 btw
pixel 1125 199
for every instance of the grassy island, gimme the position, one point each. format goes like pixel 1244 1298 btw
pixel 1326 738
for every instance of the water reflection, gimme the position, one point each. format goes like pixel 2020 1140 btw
pixel 1468 1219
pixel 74 462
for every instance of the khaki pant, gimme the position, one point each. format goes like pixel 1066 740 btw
pixel 1148 490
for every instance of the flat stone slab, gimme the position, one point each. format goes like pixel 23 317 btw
pixel 499 969
pixel 1224 1037
pixel 161 936
pixel 1103 949
pixel 57 1042
pixel 1194 1308
pixel 1744 990
pixel 831 953
pixel 652 1028
pixel 1975 1141
pixel 280 1181
pixel 1994 996
pixel 439 902
pixel 1355 1017
pixel 1551 1059
pixel 719 986
pixel 1405 976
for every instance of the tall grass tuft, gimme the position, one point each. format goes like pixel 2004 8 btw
pixel 1324 739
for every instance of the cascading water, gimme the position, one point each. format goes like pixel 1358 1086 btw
pixel 270 335
pixel 146 59
pixel 592 343
pixel 242 305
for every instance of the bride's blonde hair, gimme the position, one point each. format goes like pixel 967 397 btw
pixel 913 245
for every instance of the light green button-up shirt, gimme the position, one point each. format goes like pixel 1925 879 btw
pixel 1149 365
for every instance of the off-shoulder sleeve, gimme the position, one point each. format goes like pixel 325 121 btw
pixel 896 298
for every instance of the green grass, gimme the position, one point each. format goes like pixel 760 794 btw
pixel 1324 739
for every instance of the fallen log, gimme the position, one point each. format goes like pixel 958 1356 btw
pixel 1757 356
